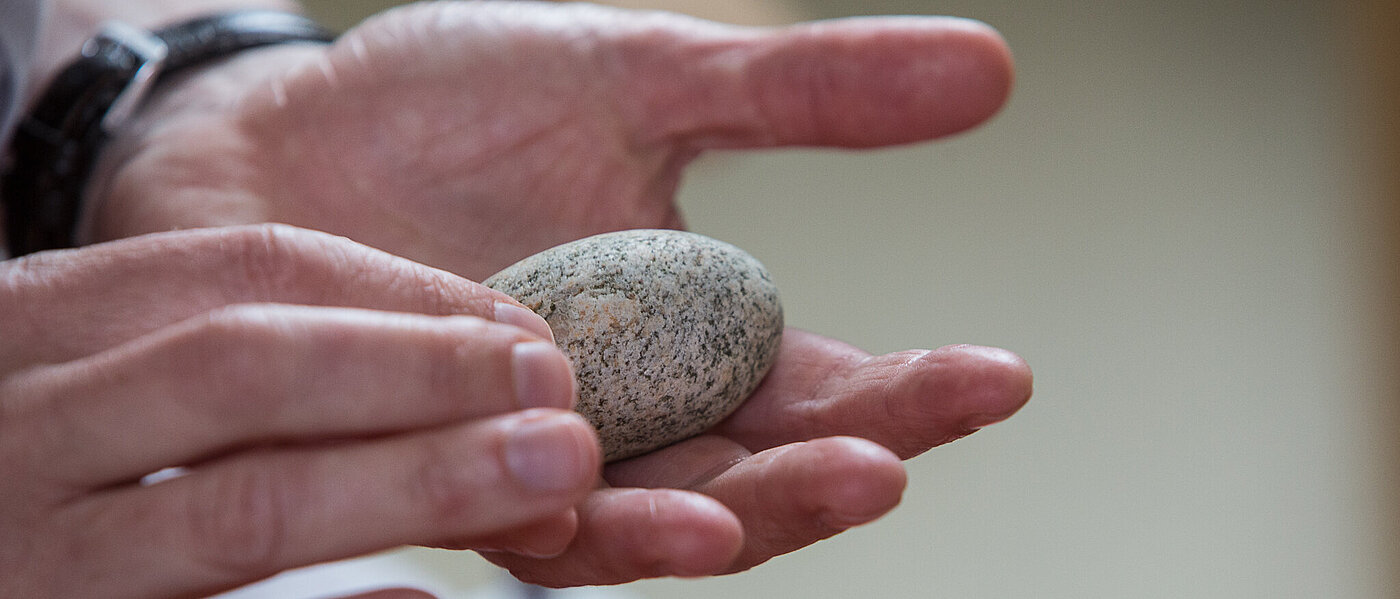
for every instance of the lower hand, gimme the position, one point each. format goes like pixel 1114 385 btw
pixel 468 135
pixel 815 451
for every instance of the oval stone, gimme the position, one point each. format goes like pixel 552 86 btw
pixel 668 331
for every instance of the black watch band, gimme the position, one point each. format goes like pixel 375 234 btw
pixel 56 146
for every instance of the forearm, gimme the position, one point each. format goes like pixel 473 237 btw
pixel 71 22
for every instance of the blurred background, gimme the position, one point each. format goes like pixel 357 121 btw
pixel 1186 220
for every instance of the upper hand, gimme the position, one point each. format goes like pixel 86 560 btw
pixel 469 135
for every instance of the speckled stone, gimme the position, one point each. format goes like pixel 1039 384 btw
pixel 668 331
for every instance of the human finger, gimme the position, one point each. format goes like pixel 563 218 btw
pixel 260 374
pixel 544 538
pixel 787 497
pixel 237 519
pixel 858 82
pixel 78 302
pixel 631 534
pixel 906 401
pixel 780 500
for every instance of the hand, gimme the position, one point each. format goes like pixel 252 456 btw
pixel 468 135
pixel 324 400
pixel 815 451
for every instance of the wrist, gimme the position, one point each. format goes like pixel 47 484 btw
pixel 57 146
pixel 162 150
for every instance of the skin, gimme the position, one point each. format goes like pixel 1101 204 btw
pixel 282 368
pixel 470 135
pixel 463 136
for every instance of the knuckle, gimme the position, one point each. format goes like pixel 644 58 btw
pixel 274 260
pixel 234 349
pixel 230 343
pixel 237 522
pixel 454 373
pixel 438 294
pixel 446 491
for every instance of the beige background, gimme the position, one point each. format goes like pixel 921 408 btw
pixel 1173 222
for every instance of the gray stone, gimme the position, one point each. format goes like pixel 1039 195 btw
pixel 668 331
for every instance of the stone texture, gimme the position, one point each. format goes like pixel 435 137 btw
pixel 668 331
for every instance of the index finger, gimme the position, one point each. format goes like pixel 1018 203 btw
pixel 74 303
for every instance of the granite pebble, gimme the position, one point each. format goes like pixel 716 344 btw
pixel 668 331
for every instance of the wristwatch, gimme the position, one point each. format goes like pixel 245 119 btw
pixel 57 144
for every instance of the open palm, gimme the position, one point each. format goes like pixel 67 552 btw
pixel 469 135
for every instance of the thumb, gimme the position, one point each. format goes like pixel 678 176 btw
pixel 857 82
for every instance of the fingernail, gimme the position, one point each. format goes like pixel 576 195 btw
pixel 543 378
pixel 550 453
pixel 541 548
pixel 549 553
pixel 514 315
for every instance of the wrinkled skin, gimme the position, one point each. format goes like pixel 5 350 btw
pixel 468 135
pixel 325 399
